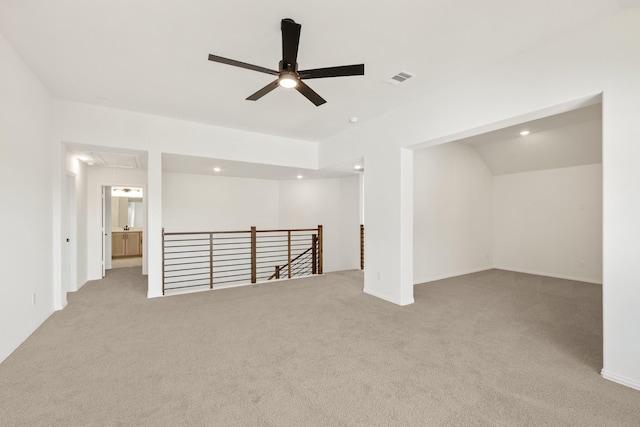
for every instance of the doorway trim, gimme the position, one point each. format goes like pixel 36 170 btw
pixel 69 244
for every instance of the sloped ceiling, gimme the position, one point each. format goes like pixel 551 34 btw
pixel 151 56
pixel 573 138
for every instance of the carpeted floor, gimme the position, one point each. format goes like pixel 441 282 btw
pixel 492 348
pixel 126 262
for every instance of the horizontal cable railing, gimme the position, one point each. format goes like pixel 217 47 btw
pixel 224 258
pixel 361 246
pixel 304 264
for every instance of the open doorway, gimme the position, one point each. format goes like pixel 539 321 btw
pixel 124 220
pixel 518 213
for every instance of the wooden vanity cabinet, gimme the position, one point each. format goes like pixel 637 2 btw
pixel 126 243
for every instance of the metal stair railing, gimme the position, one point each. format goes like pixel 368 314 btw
pixel 211 259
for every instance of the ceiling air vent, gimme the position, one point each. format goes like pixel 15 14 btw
pixel 401 77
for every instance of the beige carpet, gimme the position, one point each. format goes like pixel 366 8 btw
pixel 126 262
pixel 491 348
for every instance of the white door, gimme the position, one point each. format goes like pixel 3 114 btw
pixel 66 230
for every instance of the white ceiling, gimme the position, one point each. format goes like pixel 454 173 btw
pixel 569 139
pixel 108 156
pixel 204 166
pixel 151 56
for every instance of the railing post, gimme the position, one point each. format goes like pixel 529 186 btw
pixel 361 246
pixel 253 254
pixel 163 260
pixel 314 240
pixel 319 249
pixel 210 260
pixel 289 254
pixel 277 271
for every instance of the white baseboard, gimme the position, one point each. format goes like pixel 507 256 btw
pixel 204 288
pixel 544 273
pixel 84 282
pixel 448 275
pixel 171 292
pixel 620 379
pixel 23 338
pixel 388 298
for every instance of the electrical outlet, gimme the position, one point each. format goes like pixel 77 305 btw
pixel 33 299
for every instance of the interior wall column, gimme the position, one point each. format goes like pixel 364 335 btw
pixel 388 203
pixel 154 223
pixel 621 229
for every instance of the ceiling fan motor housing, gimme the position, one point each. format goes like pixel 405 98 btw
pixel 285 66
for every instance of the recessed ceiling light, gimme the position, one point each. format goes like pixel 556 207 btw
pixel 353 120
pixel 525 132
pixel 299 177
pixel 217 169
pixel 358 167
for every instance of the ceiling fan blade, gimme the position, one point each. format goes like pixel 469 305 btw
pixel 309 93
pixel 235 63
pixel 262 92
pixel 343 71
pixel 290 42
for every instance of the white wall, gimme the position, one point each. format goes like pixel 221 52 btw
pixel 25 175
pixel 96 178
pixel 217 203
pixel 452 212
pixel 350 211
pixel 546 222
pixel 549 222
pixel 109 127
pixel 332 203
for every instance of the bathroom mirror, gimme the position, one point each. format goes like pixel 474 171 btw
pixel 126 211
pixel 126 207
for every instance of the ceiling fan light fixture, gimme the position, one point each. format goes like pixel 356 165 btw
pixel 288 80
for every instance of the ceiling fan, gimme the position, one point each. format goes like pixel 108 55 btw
pixel 288 74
